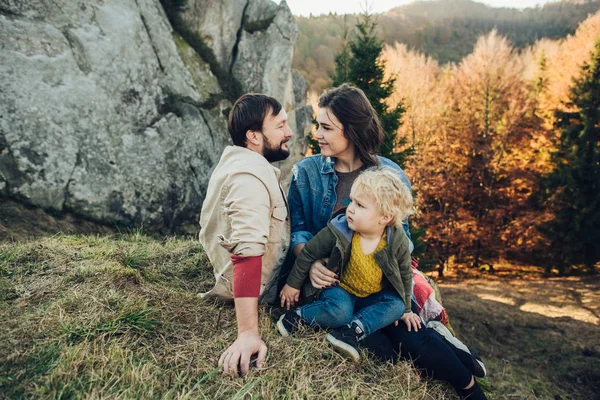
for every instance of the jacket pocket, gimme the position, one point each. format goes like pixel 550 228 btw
pixel 280 212
pixel 226 243
pixel 277 223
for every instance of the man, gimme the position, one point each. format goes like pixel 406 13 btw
pixel 245 228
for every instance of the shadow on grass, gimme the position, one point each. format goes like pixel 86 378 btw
pixel 529 350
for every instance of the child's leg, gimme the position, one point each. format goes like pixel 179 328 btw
pixel 377 311
pixel 334 308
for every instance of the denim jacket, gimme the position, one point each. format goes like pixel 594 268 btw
pixel 312 197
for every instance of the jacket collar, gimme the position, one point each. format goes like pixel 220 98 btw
pixel 327 165
pixel 340 223
pixel 250 156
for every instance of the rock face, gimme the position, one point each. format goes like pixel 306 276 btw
pixel 256 44
pixel 105 112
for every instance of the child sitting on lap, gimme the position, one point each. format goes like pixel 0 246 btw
pixel 372 252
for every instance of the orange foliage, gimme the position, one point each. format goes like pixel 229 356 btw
pixel 483 132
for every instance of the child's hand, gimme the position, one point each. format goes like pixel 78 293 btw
pixel 289 296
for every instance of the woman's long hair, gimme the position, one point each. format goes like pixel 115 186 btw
pixel 360 121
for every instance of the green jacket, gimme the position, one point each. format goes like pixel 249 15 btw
pixel 335 241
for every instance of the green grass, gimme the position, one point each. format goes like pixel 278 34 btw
pixel 119 317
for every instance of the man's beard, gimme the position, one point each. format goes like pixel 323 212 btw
pixel 272 153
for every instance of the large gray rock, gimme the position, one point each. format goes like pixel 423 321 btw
pixel 218 22
pixel 107 113
pixel 265 51
pixel 99 115
pixel 257 47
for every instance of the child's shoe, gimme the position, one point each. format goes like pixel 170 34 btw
pixel 345 341
pixel 473 393
pixel 288 323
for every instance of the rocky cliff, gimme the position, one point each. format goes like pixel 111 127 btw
pixel 106 112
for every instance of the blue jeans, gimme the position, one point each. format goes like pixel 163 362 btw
pixel 336 307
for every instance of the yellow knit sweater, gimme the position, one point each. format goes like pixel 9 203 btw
pixel 362 276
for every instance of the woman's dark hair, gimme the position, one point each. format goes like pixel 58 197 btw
pixel 248 114
pixel 360 121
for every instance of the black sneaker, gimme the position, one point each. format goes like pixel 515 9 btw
pixel 478 369
pixel 288 323
pixel 345 341
pixel 474 393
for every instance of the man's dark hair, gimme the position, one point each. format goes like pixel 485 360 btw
pixel 248 114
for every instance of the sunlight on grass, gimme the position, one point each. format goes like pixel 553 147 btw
pixel 499 299
pixel 558 312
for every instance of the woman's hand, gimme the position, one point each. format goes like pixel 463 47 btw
pixel 320 276
pixel 411 320
pixel 289 297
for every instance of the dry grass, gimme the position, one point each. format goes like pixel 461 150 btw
pixel 118 317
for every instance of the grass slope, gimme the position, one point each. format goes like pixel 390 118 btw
pixel 118 317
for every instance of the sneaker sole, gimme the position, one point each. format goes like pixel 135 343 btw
pixel 480 371
pixel 280 328
pixel 344 348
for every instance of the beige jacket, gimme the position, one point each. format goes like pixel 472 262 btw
pixel 245 213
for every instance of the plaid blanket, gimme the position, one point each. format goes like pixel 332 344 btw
pixel 428 298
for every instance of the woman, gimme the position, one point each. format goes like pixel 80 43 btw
pixel 349 134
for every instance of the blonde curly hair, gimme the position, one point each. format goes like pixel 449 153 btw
pixel 386 188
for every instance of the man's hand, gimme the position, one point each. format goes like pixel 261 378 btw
pixel 239 353
pixel 321 277
pixel 289 296
pixel 411 320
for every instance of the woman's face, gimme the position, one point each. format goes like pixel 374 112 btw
pixel 330 135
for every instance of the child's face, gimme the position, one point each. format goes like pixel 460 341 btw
pixel 364 216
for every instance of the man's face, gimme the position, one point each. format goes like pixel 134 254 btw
pixel 276 133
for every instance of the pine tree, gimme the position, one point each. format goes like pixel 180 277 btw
pixel 572 188
pixel 342 59
pixel 358 63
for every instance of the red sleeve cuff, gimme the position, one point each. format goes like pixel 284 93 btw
pixel 247 272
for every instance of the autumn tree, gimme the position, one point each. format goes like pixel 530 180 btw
pixel 419 89
pixel 424 90
pixel 485 128
pixel 572 188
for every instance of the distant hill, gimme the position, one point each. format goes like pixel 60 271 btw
pixel 444 29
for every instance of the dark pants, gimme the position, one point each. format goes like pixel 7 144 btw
pixel 427 350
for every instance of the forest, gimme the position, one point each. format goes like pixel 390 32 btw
pixel 501 148
pixel 446 30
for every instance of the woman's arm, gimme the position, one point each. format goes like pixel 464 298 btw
pixel 299 223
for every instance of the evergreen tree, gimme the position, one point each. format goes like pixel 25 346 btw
pixel 342 59
pixel 366 71
pixel 572 188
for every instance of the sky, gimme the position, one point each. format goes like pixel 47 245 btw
pixel 317 7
